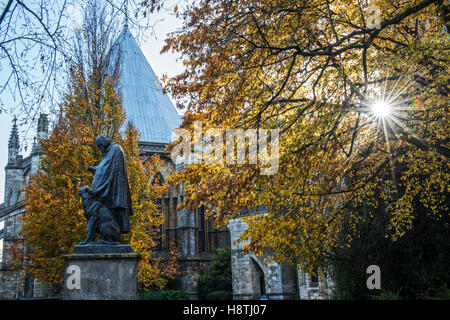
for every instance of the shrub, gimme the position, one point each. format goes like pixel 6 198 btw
pixel 217 280
pixel 164 295
pixel 386 295
pixel 219 295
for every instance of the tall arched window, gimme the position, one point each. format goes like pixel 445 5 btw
pixel 159 180
pixel 202 232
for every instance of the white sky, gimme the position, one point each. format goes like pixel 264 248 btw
pixel 161 64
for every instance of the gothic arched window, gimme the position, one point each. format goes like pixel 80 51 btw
pixel 159 180
pixel 9 197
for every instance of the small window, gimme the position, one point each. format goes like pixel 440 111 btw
pixel 158 205
pixel 314 280
pixel 8 199
pixel 175 203
pixel 166 205
pixel 159 239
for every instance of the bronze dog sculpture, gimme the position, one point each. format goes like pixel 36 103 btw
pixel 100 220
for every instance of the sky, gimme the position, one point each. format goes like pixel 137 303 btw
pixel 168 64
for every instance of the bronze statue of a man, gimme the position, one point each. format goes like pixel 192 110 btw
pixel 110 183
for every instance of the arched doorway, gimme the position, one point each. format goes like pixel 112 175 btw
pixel 258 280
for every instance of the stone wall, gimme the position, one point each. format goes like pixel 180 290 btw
pixel 314 290
pixel 254 277
pixel 191 268
pixel 11 284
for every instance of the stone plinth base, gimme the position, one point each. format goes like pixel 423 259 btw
pixel 95 276
pixel 102 248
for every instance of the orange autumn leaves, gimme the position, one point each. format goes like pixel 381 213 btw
pixel 54 220
pixel 303 67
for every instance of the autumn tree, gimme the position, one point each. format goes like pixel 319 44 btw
pixel 318 70
pixel 31 50
pixel 35 46
pixel 54 222
pixel 155 270
pixel 413 267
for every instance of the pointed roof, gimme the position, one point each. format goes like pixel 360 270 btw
pixel 41 133
pixel 145 105
pixel 13 142
pixel 42 123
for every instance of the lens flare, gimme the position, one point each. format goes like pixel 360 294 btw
pixel 381 108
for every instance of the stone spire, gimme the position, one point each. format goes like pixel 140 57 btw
pixel 125 25
pixel 41 133
pixel 42 127
pixel 13 144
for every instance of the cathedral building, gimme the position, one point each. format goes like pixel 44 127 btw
pixel 154 116
pixel 13 284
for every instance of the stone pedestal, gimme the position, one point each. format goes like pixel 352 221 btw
pixel 102 248
pixel 101 276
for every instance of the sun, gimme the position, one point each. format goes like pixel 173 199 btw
pixel 381 108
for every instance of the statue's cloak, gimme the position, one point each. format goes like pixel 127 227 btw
pixel 110 185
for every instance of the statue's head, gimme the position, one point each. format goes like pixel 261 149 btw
pixel 102 143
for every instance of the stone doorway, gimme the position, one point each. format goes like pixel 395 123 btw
pixel 258 279
pixel 28 290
